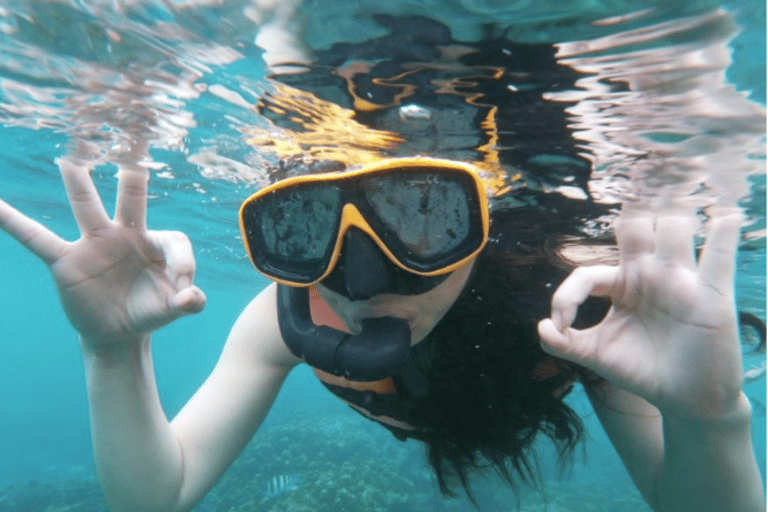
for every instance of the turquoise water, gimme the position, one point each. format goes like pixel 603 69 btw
pixel 85 70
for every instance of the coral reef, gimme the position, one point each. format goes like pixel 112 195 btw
pixel 60 496
pixel 342 463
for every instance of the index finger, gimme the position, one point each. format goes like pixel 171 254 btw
pixel 43 242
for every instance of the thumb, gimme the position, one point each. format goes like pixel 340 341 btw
pixel 187 301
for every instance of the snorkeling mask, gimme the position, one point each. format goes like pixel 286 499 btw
pixel 397 226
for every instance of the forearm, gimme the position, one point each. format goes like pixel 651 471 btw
pixel 138 459
pixel 709 466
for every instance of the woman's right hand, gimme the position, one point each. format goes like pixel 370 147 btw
pixel 119 281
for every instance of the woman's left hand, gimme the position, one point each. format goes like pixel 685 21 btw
pixel 671 335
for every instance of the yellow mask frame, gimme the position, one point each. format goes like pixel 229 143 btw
pixel 253 220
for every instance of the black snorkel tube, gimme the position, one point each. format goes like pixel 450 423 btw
pixel 377 352
pixel 382 347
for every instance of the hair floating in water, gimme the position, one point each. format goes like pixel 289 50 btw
pixel 752 331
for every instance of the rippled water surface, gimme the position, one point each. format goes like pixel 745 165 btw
pixel 665 101
pixel 656 108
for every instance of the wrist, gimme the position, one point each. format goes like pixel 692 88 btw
pixel 737 416
pixel 709 464
pixel 113 349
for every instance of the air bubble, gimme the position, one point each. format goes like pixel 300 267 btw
pixel 413 111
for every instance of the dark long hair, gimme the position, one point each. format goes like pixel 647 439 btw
pixel 487 401
pixel 485 405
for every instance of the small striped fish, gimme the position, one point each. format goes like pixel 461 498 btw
pixel 280 484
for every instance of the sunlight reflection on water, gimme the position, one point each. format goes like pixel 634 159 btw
pixel 652 111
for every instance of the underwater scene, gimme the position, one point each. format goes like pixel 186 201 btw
pixel 571 108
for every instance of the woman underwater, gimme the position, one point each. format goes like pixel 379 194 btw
pixel 429 329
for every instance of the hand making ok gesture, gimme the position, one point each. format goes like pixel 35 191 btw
pixel 119 281
pixel 671 336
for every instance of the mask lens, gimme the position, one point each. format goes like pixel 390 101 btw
pixel 428 218
pixel 294 230
pixel 428 213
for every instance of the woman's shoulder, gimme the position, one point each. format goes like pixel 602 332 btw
pixel 256 337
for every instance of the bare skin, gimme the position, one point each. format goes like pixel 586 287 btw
pixel 669 351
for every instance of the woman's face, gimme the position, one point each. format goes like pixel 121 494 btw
pixel 422 311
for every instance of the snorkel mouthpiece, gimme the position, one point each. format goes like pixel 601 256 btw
pixel 379 351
